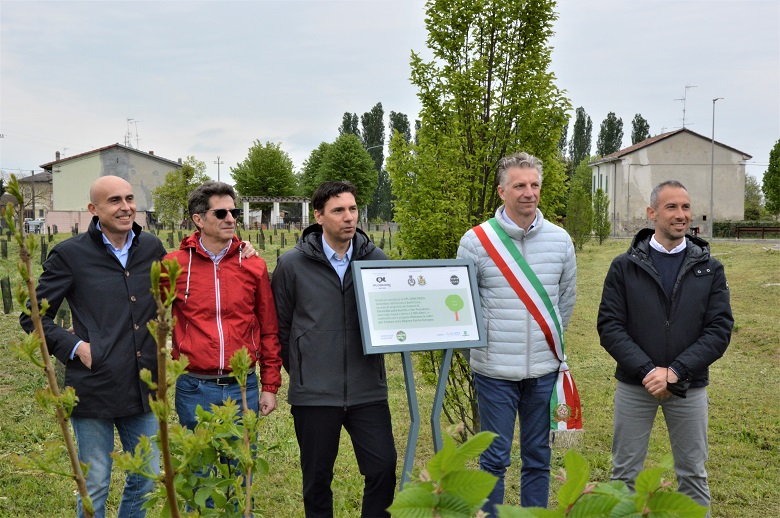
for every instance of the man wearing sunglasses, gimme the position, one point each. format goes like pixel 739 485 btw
pixel 223 303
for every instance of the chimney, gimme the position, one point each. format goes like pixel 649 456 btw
pixel 57 155
pixel 180 160
pixel 151 152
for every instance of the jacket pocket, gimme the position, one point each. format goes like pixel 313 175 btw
pixel 97 349
pixel 318 361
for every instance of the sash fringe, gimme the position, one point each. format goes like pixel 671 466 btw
pixel 567 439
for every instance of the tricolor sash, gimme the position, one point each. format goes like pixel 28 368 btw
pixel 565 408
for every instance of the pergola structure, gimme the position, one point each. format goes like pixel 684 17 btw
pixel 276 200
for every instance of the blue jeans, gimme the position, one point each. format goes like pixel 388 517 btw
pixel 191 392
pixel 95 440
pixel 500 402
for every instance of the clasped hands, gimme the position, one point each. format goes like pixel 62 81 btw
pixel 656 382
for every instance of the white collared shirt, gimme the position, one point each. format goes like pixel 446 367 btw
pixel 659 247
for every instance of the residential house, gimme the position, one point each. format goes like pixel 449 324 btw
pixel 37 191
pixel 629 175
pixel 72 177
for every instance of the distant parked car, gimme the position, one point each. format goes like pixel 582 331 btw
pixel 34 226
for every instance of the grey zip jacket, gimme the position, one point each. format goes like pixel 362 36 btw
pixel 319 329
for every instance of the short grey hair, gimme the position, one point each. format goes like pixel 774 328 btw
pixel 660 187
pixel 521 160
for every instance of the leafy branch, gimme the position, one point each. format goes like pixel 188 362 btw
pixel 449 488
pixel 60 404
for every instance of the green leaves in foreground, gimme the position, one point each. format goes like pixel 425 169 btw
pixel 579 498
pixel 450 489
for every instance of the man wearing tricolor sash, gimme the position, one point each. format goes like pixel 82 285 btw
pixel 527 273
pixel 665 317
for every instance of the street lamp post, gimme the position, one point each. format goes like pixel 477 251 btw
pixel 712 171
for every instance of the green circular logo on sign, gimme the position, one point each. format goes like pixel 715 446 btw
pixel 400 336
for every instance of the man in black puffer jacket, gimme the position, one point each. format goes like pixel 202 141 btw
pixel 332 382
pixel 665 316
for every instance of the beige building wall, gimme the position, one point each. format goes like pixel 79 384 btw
pixel 71 178
pixel 684 157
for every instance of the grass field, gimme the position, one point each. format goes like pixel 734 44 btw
pixel 744 465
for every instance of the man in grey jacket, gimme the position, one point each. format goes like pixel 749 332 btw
pixel 516 373
pixel 332 383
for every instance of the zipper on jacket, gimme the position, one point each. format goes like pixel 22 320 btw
pixel 344 344
pixel 218 302
pixel 527 325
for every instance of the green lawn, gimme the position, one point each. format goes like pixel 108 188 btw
pixel 744 467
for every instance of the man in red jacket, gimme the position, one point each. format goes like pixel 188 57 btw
pixel 223 303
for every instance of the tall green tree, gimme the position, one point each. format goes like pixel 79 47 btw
pixel 310 172
pixel 486 93
pixel 349 124
pixel 170 198
pixel 400 122
pixel 346 159
pixel 266 171
pixel 601 224
pixel 754 207
pixel 373 132
pixel 610 135
pixel 581 139
pixel 579 209
pixel 640 129
pixel 771 183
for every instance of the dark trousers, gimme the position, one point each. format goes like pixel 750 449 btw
pixel 318 429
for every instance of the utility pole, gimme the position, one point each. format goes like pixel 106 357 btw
pixel 218 162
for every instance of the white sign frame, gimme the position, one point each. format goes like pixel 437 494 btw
pixel 418 305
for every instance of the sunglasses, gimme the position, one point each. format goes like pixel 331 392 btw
pixel 222 213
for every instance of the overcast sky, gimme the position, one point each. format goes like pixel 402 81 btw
pixel 210 78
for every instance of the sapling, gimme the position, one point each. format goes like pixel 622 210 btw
pixel 60 404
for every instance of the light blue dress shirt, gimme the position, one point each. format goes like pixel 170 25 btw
pixel 339 264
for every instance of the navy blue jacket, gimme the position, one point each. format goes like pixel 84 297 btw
pixel 642 328
pixel 111 306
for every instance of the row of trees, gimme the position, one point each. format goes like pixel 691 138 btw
pixel 610 137
pixel 356 155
